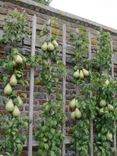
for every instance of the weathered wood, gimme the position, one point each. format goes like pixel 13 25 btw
pixel 91 121
pixel 64 82
pixel 31 100
pixel 115 126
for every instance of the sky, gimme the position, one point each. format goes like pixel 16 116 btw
pixel 100 11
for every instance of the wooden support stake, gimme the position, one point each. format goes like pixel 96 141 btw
pixel 115 127
pixel 64 81
pixel 31 96
pixel 91 121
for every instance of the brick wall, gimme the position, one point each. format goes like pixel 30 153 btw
pixel 72 22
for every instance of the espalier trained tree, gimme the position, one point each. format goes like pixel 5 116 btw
pixel 49 132
pixel 104 88
pixel 95 100
pixel 12 122
pixel 79 105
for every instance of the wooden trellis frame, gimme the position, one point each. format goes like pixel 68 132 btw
pixel 31 100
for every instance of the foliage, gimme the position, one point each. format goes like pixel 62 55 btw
pixel 96 95
pixel 12 123
pixel 46 2
pixel 49 131
pixel 80 129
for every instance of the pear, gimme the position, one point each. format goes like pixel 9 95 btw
pixel 110 107
pixel 20 102
pixel 10 106
pixel 76 74
pixel 102 103
pixel 73 115
pixel 18 59
pixel 8 89
pixel 16 112
pixel 78 113
pixel 101 111
pixel 54 42
pixel 13 80
pixel 85 72
pixel 81 74
pixel 50 46
pixel 44 46
pixel 73 103
pixel 109 136
pixel 107 82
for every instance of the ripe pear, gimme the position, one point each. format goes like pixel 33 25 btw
pixel 18 59
pixel 10 106
pixel 109 136
pixel 50 46
pixel 102 103
pixel 54 42
pixel 107 82
pixel 110 107
pixel 16 112
pixel 8 89
pixel 85 72
pixel 76 74
pixel 44 46
pixel 73 115
pixel 73 103
pixel 78 113
pixel 13 80
pixel 81 74
pixel 20 102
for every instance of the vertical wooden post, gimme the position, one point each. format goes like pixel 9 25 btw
pixel 115 127
pixel 31 96
pixel 91 121
pixel 64 81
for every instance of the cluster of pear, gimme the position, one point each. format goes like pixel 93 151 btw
pixel 10 105
pixel 81 73
pixel 105 107
pixel 49 46
pixel 74 105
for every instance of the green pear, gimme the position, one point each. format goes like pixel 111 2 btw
pixel 10 106
pixel 44 46
pixel 78 113
pixel 20 102
pixel 13 80
pixel 18 59
pixel 54 42
pixel 16 112
pixel 76 74
pixel 85 72
pixel 50 46
pixel 8 89
pixel 81 74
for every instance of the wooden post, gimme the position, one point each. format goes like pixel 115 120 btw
pixel 64 81
pixel 91 121
pixel 31 96
pixel 115 127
